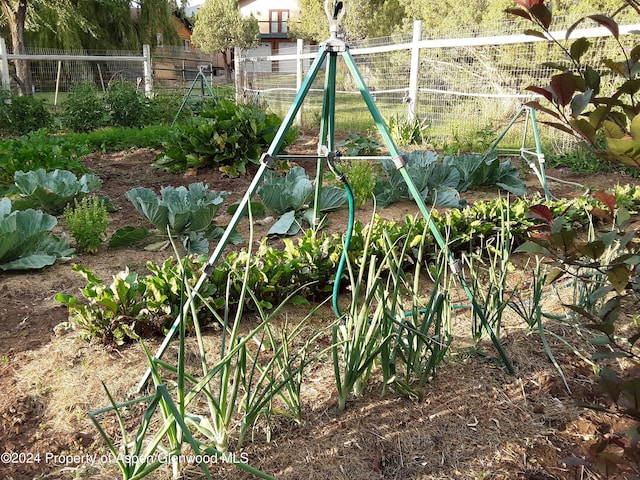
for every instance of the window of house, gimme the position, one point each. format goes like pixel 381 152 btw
pixel 278 20
pixel 187 45
pixel 159 39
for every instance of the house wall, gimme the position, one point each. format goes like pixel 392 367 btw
pixel 260 8
pixel 270 42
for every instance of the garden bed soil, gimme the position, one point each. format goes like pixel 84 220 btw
pixel 474 420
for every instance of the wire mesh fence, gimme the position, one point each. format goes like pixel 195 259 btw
pixel 169 69
pixel 469 84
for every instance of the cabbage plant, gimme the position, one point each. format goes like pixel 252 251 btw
pixel 290 198
pixel 25 241
pixel 180 211
pixel 52 191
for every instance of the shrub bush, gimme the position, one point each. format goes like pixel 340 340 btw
pixel 84 108
pixel 21 115
pixel 125 106
pixel 87 221
pixel 227 136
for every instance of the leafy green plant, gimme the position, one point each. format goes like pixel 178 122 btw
pixel 185 212
pixel 489 267
pixel 20 115
pixel 607 263
pixel 355 145
pixel 361 175
pixel 114 313
pixel 39 150
pixel 478 171
pixel 126 107
pixel 408 342
pixel 440 181
pixel 577 99
pixel 25 239
pixel 52 191
pixel 84 108
pixel 117 138
pixel 480 141
pixel 289 197
pixel 133 306
pixel 226 136
pixel 87 221
pixel 405 132
pixel 436 182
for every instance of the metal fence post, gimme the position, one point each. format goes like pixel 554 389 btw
pixel 299 75
pixel 415 68
pixel 148 71
pixel 5 79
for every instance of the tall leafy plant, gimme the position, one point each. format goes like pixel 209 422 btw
pixel 225 136
pixel 577 99
pixel 440 181
pixel 39 150
pixel 212 408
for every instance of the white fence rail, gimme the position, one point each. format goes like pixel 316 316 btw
pixel 459 87
pixel 73 68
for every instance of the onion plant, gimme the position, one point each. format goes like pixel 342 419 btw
pixel 210 409
pixel 489 267
pixel 407 338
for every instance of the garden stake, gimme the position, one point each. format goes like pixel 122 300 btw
pixel 333 47
pixel 203 81
pixel 525 153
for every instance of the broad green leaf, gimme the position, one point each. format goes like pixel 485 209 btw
pixel 284 224
pixel 619 277
pixel 147 203
pixel 531 247
pixel 332 198
pixel 623 218
pixel 579 48
pixel 445 197
pixel 127 236
pixel 580 102
pixel 30 262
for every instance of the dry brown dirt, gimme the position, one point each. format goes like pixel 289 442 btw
pixel 474 420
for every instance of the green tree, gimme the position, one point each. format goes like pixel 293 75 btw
pixel 110 26
pixel 219 27
pixel 362 19
pixel 155 17
pixel 14 13
pixel 88 24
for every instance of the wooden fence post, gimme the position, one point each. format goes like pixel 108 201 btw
pixel 148 71
pixel 5 79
